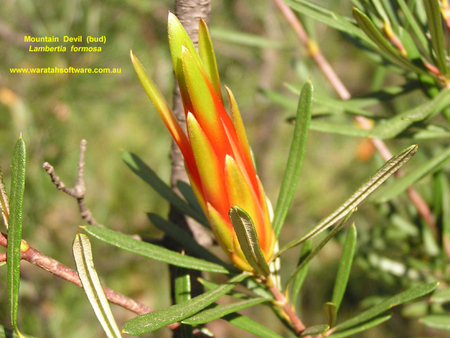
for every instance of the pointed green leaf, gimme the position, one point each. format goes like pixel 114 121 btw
pixel 339 129
pixel 306 261
pixel 363 327
pixel 152 251
pixel 150 177
pixel 358 196
pixel 400 122
pixel 160 318
pixel 330 311
pixel 181 237
pixel 295 159
pixel 15 228
pixel 220 311
pixel 433 10
pixel 345 266
pixel 4 200
pixel 251 326
pixel 248 240
pixel 182 285
pixel 401 184
pixel 315 330
pixel 327 17
pixel 411 20
pixel 298 280
pixel 385 46
pixel 92 286
pixel 206 53
pixel 437 321
pixel 386 305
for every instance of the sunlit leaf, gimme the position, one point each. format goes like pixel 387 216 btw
pixel 385 46
pixel 160 318
pixel 152 251
pixel 345 266
pixel 92 286
pixel 432 8
pixel 251 326
pixel 295 159
pixel 386 305
pixel 358 196
pixel 400 122
pixel 363 327
pixel 401 184
pixel 248 240
pixel 15 229
pixel 219 311
pixel 437 321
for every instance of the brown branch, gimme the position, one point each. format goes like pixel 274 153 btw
pixel 51 265
pixel 79 190
pixel 288 310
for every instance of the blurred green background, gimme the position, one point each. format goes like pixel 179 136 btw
pixel 111 111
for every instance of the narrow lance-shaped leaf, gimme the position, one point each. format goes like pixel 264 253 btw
pixel 92 286
pixel 15 228
pixel 403 297
pixel 296 156
pixel 4 201
pixel 306 261
pixel 315 330
pixel 248 240
pixel 432 8
pixel 220 311
pixel 401 184
pixel 149 176
pixel 358 196
pixel 251 326
pixel 345 266
pixel 299 278
pixel 188 242
pixel 375 35
pixel 367 325
pixel 411 20
pixel 160 318
pixel 152 251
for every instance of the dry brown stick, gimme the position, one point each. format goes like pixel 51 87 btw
pixel 51 265
pixel 79 190
pixel 421 206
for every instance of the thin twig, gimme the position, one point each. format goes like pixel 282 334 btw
pixel 79 190
pixel 51 265
pixel 288 310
